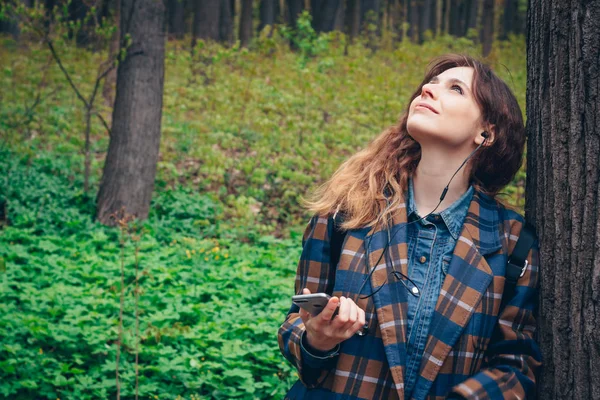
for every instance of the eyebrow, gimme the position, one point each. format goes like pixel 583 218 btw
pixel 451 81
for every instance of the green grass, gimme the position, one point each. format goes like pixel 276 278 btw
pixel 244 135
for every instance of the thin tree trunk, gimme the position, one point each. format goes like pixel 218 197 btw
pixel 130 167
pixel 425 23
pixel 413 19
pixel 338 24
pixel 176 19
pixel 267 13
pixel 563 191
pixel 511 8
pixel 353 19
pixel 226 22
pixel 110 82
pixel 206 20
pixel 472 10
pixel 246 23
pixel 439 14
pixel 324 13
pixel 487 27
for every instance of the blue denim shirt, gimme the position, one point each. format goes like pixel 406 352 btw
pixel 430 246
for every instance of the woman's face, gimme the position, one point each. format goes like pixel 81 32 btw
pixel 446 113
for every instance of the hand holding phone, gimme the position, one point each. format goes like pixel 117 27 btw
pixel 313 303
pixel 323 331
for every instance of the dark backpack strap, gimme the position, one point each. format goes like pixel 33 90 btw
pixel 517 263
pixel 337 239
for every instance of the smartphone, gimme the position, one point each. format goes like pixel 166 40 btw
pixel 314 303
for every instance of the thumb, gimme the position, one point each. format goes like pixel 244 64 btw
pixel 305 291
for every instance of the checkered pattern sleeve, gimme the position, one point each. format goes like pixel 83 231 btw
pixel 513 359
pixel 315 273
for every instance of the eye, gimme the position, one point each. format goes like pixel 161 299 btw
pixel 457 87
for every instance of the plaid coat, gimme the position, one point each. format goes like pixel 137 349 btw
pixel 460 357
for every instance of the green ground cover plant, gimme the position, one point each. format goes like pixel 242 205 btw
pixel 245 134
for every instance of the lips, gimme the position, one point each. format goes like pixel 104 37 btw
pixel 427 106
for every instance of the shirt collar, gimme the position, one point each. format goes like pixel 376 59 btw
pixel 453 216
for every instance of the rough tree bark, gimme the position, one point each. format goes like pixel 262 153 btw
pixel 487 27
pixel 563 191
pixel 130 167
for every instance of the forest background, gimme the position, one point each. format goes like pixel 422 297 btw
pixel 187 302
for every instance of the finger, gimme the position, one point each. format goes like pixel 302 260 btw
pixel 305 291
pixel 362 316
pixel 343 314
pixel 353 312
pixel 332 304
pixel 304 315
pixel 357 326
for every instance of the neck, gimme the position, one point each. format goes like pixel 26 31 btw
pixel 431 177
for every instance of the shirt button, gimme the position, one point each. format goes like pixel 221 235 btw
pixel 422 259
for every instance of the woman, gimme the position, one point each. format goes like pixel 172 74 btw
pixel 420 277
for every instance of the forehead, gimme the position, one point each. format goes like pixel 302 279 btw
pixel 465 74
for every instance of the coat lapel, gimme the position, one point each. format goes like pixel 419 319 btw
pixel 468 278
pixel 391 302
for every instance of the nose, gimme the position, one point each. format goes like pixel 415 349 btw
pixel 427 90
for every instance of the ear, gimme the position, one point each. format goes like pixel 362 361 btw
pixel 491 131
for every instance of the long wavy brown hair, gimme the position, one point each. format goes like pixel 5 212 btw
pixel 357 187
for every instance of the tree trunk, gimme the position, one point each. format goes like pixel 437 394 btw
pixel 246 23
pixel 471 9
pixel 510 20
pixel 338 24
pixel 206 20
pixel 439 15
pixel 454 17
pixel 323 14
pixel 487 27
pixel 176 19
pixel 295 8
pixel 563 191
pixel 413 19
pixel 425 23
pixel 110 82
pixel 130 166
pixel 372 8
pixel 267 13
pixel 447 6
pixel 226 22
pixel 353 19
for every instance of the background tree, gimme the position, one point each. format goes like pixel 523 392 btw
pixel 509 18
pixel 324 13
pixel 563 192
pixel 176 11
pixel 206 20
pixel 226 21
pixel 487 27
pixel 130 167
pixel 269 13
pixel 246 23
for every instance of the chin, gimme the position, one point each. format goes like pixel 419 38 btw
pixel 421 131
